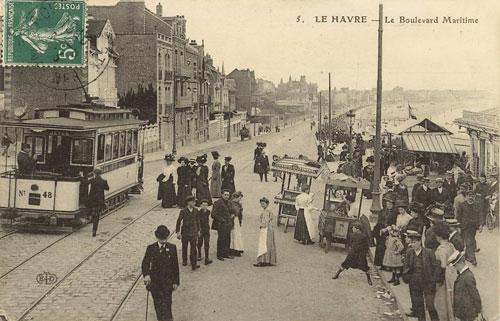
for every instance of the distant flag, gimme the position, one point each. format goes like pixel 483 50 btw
pixel 410 112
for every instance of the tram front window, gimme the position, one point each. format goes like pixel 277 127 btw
pixel 58 154
pixel 81 151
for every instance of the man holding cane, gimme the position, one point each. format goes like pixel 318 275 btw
pixel 160 269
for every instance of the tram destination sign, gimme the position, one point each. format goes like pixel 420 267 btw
pixel 44 33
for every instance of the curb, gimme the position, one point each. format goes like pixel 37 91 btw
pixel 387 285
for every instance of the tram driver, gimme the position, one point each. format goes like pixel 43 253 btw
pixel 25 161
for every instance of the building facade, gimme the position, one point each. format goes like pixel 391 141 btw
pixel 246 89
pixel 482 128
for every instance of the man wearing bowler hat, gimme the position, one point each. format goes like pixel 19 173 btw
pixel 420 271
pixel 223 223
pixel 466 299
pixel 418 184
pixel 471 219
pixel 160 269
pixel 188 218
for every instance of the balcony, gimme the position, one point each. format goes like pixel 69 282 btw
pixel 184 101
pixel 184 71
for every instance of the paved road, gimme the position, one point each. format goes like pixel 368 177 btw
pixel 299 288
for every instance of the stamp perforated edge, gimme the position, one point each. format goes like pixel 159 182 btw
pixel 46 65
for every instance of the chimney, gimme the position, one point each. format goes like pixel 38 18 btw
pixel 159 10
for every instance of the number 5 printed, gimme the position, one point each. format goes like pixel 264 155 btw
pixel 64 54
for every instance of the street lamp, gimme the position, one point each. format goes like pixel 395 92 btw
pixel 351 116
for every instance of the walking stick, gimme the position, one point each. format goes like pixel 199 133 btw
pixel 147 303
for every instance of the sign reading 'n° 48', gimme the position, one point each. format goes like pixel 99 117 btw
pixel 44 33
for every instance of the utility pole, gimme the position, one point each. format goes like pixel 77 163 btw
pixel 329 109
pixel 228 119
pixel 375 208
pixel 319 117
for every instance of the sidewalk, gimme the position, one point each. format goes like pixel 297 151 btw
pixel 210 145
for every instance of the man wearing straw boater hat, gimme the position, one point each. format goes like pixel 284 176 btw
pixel 420 271
pixel 160 269
pixel 471 219
pixel 435 216
pixel 466 299
pixel 455 236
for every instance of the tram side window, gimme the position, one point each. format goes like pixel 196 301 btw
pixel 122 143
pixel 129 142
pixel 107 147
pixel 134 141
pixel 100 148
pixel 81 151
pixel 116 144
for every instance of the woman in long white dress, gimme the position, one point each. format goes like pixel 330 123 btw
pixel 266 253
pixel 236 209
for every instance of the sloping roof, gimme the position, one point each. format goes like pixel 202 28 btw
pixel 95 27
pixel 430 142
pixel 418 125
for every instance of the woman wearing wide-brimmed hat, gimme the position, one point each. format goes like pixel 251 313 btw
pixel 216 182
pixel 202 188
pixel 168 180
pixel 227 174
pixel 266 252
pixel 184 181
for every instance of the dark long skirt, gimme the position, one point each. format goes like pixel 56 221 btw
pixel 203 192
pixel 356 260
pixel 379 251
pixel 227 184
pixel 168 198
pixel 301 232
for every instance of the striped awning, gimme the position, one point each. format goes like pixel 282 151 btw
pixel 430 142
pixel 296 166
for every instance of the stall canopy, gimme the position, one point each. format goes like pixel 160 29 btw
pixel 425 136
pixel 292 165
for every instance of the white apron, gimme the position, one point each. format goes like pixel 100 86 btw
pixel 236 238
pixel 262 249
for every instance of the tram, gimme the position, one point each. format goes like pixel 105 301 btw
pixel 68 143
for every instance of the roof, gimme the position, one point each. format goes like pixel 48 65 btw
pixel 430 142
pixel 70 124
pixel 486 120
pixel 296 166
pixel 418 125
pixel 91 110
pixel 94 27
pixel 340 179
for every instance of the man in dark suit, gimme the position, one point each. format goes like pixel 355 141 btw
pixel 222 222
pixel 420 271
pixel 466 299
pixel 450 185
pixel 190 232
pixel 423 195
pixel 471 219
pixel 455 236
pixel 418 184
pixel 440 193
pixel 160 269
pixel 25 162
pixel 227 175
pixel 96 201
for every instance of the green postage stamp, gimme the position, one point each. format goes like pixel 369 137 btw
pixel 44 33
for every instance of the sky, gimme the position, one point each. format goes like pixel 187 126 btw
pixel 265 36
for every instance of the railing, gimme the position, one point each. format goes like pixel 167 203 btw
pixel 184 101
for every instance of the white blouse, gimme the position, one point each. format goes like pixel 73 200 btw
pixel 170 170
pixel 303 200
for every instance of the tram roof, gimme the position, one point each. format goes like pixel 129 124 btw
pixel 70 124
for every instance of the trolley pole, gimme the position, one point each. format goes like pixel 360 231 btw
pixel 375 207
pixel 329 109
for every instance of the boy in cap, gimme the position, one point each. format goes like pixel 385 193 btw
pixel 204 239
pixel 466 299
pixel 160 269
pixel 470 217
pixel 420 271
pixel 190 232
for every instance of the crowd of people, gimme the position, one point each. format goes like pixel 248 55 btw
pixel 190 188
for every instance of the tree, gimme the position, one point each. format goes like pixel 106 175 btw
pixel 143 100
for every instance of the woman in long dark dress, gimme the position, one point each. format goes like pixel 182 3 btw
pixel 368 172
pixel 227 175
pixel 184 188
pixel 356 258
pixel 167 183
pixel 202 188
pixel 386 218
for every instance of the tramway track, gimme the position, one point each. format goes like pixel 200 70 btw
pixel 90 255
pixel 8 233
pixel 115 209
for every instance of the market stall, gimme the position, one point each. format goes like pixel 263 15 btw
pixel 335 225
pixel 304 170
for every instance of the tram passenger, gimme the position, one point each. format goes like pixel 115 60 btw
pixel 25 162
pixel 96 197
pixel 6 142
